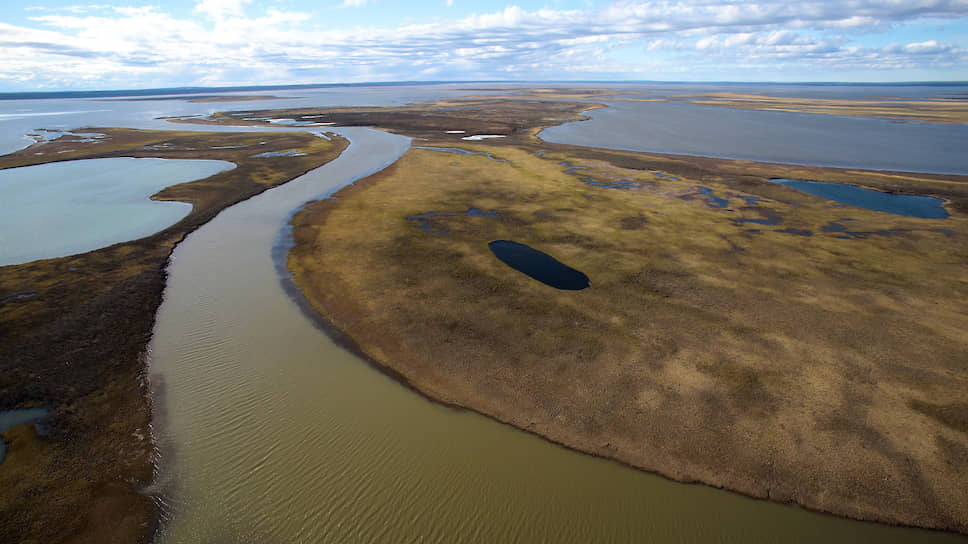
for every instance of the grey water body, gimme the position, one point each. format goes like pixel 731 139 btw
pixel 64 208
pixel 925 207
pixel 69 207
pixel 21 118
pixel 770 136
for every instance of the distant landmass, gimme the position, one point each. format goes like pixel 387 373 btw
pixel 246 88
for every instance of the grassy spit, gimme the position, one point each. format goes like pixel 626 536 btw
pixel 73 333
pixel 944 109
pixel 789 361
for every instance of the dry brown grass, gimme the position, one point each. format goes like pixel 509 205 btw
pixel 819 370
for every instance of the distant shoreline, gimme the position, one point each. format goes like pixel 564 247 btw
pixel 30 95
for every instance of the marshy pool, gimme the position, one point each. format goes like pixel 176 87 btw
pixel 64 208
pixel 925 207
pixel 12 418
pixel 538 265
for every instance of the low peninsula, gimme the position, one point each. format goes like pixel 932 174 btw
pixel 735 332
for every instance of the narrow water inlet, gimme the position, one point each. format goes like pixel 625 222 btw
pixel 925 207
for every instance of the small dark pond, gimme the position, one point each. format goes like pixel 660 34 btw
pixel 714 201
pixel 11 418
pixel 925 207
pixel 539 265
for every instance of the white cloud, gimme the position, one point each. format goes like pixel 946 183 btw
pixel 220 9
pixel 134 45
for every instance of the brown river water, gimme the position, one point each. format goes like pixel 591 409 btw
pixel 271 433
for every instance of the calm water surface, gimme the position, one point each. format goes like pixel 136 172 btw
pixel 64 208
pixel 771 136
pixel 271 433
pixel 925 207
pixel 538 265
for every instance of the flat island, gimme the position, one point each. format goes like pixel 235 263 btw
pixel 734 331
pixel 947 109
pixel 75 330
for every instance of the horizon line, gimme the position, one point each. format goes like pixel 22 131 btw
pixel 192 89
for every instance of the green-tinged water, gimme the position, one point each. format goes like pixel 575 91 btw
pixel 270 433
pixel 64 208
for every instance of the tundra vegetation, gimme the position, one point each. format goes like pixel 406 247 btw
pixel 75 330
pixel 736 332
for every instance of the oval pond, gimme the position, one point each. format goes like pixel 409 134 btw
pixel 538 265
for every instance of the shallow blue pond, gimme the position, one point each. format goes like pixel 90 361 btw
pixel 926 207
pixel 65 208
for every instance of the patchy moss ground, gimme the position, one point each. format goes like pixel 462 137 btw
pixel 73 332
pixel 815 369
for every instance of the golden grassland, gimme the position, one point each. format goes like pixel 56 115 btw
pixel 938 110
pixel 813 369
pixel 73 333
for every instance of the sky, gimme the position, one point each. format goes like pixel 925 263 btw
pixel 132 44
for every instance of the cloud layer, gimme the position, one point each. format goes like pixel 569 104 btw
pixel 229 42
